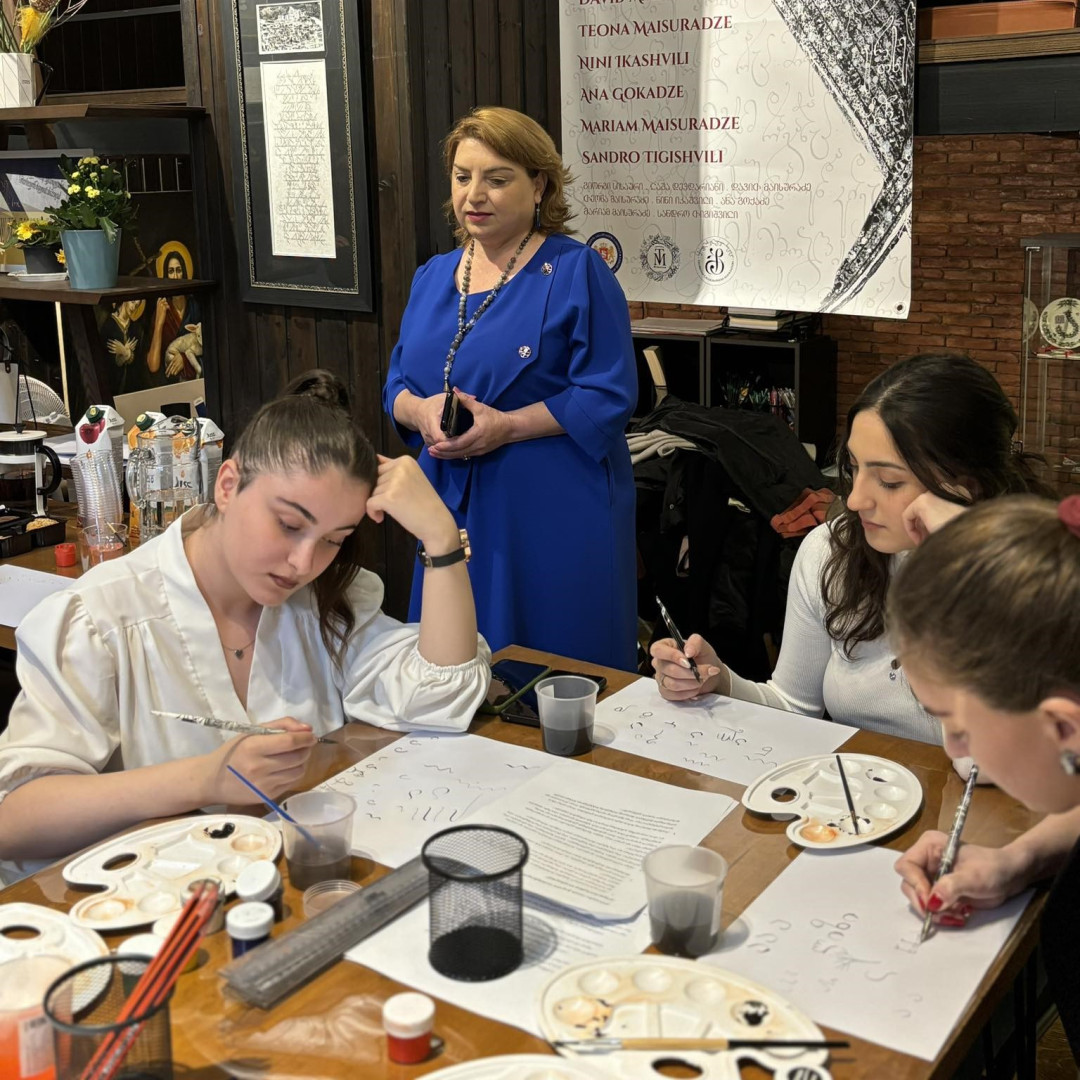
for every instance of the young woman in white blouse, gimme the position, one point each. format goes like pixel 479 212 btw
pixel 253 608
pixel 928 433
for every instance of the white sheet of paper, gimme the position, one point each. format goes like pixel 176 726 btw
pixel 21 590
pixel 554 939
pixel 722 737
pixel 589 828
pixel 834 935
pixel 299 166
pixel 424 783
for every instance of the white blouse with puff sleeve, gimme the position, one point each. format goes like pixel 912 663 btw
pixel 135 634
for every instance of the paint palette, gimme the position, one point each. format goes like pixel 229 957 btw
pixel 146 872
pixel 42 931
pixel 886 797
pixel 519 1067
pixel 663 996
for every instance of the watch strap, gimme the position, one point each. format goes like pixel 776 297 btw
pixel 461 554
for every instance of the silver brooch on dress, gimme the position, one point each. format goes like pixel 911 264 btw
pixel 524 352
pixel 546 268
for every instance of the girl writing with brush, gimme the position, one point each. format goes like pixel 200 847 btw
pixel 985 617
pixel 253 606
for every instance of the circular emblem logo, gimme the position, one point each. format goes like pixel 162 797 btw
pixel 660 257
pixel 608 248
pixel 1060 322
pixel 715 260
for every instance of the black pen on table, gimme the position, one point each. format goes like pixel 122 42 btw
pixel 680 644
pixel 953 845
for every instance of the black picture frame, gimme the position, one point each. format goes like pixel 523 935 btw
pixel 343 281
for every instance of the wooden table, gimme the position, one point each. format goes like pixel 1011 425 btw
pixel 214 1036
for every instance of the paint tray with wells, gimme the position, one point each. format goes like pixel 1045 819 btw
pixel 641 997
pixel 810 791
pixel 145 873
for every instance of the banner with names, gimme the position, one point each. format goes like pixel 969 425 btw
pixel 749 153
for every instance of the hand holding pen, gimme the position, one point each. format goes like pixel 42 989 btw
pixel 678 671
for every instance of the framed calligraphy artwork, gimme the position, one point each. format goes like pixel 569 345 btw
pixel 298 161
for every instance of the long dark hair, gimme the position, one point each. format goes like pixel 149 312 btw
pixel 953 425
pixel 308 428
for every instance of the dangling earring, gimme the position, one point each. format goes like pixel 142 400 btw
pixel 536 217
pixel 1070 762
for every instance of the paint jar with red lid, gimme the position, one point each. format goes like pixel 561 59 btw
pixel 408 1019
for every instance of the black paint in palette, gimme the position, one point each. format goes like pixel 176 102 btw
pixel 684 924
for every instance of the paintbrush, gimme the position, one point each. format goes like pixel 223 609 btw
pixel 603 1045
pixel 279 810
pixel 847 794
pixel 680 644
pixel 230 725
pixel 953 846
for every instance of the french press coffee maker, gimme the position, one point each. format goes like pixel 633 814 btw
pixel 23 455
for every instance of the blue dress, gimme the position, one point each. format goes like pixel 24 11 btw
pixel 551 520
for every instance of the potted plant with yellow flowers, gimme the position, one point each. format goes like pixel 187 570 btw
pixel 22 26
pixel 90 219
pixel 39 241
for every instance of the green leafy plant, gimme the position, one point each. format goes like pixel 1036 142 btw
pixel 97 197
pixel 32 20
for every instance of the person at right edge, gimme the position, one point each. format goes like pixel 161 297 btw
pixel 515 372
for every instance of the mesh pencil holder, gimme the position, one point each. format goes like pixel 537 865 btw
pixel 83 1006
pixel 474 873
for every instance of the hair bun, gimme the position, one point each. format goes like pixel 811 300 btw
pixel 322 385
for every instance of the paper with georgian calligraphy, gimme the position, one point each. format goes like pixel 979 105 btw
pixel 729 739
pixel 298 163
pixel 834 935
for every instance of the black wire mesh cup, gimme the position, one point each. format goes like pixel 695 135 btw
pixel 83 1006
pixel 474 873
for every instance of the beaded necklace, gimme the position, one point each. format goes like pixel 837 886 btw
pixel 463 326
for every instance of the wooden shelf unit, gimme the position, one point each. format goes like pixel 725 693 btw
pixel 127 288
pixel 88 110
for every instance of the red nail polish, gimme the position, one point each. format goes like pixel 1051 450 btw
pixel 952 920
pixel 935 903
pixel 965 910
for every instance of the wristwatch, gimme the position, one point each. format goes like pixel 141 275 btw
pixel 461 554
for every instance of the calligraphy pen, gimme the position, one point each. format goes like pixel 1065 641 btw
pixel 680 644
pixel 229 725
pixel 953 846
pixel 847 794
pixel 601 1045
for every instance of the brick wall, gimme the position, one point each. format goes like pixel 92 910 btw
pixel 975 197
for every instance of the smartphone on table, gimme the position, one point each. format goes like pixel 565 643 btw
pixel 510 679
pixel 524 708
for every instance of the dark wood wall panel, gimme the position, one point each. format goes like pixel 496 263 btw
pixel 427 63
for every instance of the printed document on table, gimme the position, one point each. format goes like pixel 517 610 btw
pixel 554 939
pixel 834 935
pixel 424 783
pixel 722 737
pixel 588 829
pixel 21 590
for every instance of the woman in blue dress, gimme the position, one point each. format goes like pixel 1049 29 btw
pixel 524 333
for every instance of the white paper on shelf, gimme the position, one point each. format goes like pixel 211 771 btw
pixel 22 589
pixel 834 935
pixel 554 939
pixel 722 737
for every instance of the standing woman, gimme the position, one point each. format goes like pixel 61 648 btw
pixel 515 371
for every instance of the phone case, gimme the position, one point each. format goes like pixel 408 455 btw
pixel 502 706
pixel 455 419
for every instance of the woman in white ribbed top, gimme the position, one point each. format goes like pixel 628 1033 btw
pixel 923 436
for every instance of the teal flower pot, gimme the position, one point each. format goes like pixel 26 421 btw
pixel 92 262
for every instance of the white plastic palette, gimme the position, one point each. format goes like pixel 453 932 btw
pixel 54 935
pixel 145 873
pixel 518 1067
pixel 886 797
pixel 662 996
